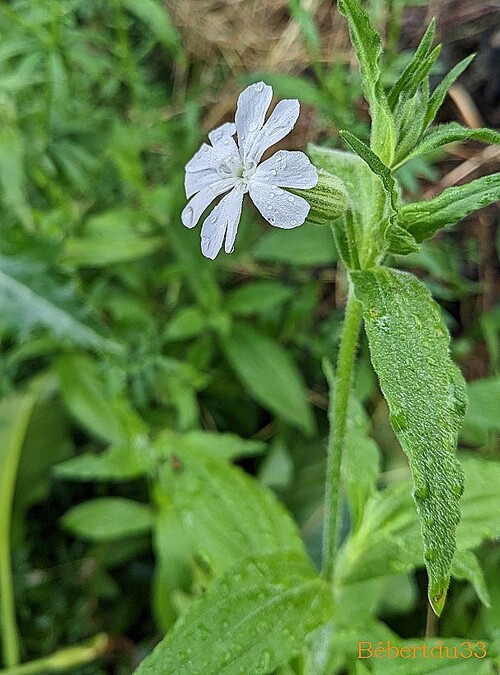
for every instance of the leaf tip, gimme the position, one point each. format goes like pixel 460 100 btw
pixel 437 594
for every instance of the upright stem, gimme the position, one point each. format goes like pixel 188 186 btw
pixel 339 402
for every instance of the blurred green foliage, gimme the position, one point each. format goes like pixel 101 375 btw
pixel 148 371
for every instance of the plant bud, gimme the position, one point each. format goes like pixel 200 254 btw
pixel 328 199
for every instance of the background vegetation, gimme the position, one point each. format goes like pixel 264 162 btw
pixel 122 346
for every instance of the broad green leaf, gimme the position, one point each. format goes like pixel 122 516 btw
pixel 411 76
pixel 423 219
pixel 219 445
pixel 46 442
pixel 270 374
pixel 482 412
pixel 466 566
pixel 480 503
pixel 108 518
pixel 15 413
pixel 117 463
pixel 89 402
pixel 426 395
pixel 305 245
pixel 186 323
pixel 444 134
pixel 253 618
pixel 204 491
pixel 30 299
pixel 439 93
pixel 111 238
pixel 368 46
pixel 257 297
pixel 158 21
pixel 173 559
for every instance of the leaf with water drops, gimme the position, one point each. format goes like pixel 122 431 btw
pixel 409 347
pixel 251 619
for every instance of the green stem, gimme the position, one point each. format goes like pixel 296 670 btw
pixel 340 390
pixel 65 660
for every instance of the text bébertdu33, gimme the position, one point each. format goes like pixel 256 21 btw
pixel 437 650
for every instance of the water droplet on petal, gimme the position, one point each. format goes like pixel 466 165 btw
pixel 213 219
pixel 271 219
pixel 271 194
pixel 293 222
pixel 273 172
pixel 269 207
pixel 205 148
pixel 188 215
pixel 290 198
pixel 259 86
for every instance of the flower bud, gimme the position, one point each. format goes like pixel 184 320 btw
pixel 328 199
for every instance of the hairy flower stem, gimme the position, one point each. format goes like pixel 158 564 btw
pixel 340 389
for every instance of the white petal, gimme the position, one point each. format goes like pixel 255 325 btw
pixel 224 218
pixel 222 139
pixel 287 169
pixel 192 212
pixel 204 158
pixel 198 180
pixel 279 207
pixel 251 110
pixel 279 124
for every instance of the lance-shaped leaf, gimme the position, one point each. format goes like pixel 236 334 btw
pixel 368 46
pixel 445 134
pixel 422 219
pixel 409 347
pixel 251 619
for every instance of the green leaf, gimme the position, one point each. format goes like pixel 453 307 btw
pixel 423 219
pixel 253 618
pixel 305 245
pixel 204 491
pixel 111 238
pixel 87 399
pixel 220 445
pixel 186 323
pixel 441 90
pixel 108 518
pixel 466 566
pixel 397 240
pixel 30 299
pixel 291 86
pixel 482 412
pixel 15 413
pixel 368 45
pixel 270 374
pixel 480 503
pixel 426 396
pixel 12 170
pixel 117 463
pixel 411 77
pixel 257 297
pixel 445 134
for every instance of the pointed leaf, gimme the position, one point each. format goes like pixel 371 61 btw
pixel 108 518
pixel 368 45
pixel 423 219
pixel 441 90
pixel 409 347
pixel 270 374
pixel 251 619
pixel 204 491
pixel 449 133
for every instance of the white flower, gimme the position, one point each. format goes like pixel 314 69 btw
pixel 227 166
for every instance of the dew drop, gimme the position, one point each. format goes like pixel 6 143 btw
pixel 421 492
pixel 271 219
pixel 271 194
pixel 431 554
pixel 269 207
pixel 259 86
pixel 290 198
pixel 273 172
pixel 253 127
pixel 188 215
pixel 205 148
pixel 293 222
pixel 213 219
